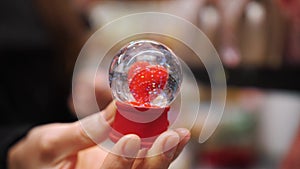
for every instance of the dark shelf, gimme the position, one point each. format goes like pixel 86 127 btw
pixel 287 78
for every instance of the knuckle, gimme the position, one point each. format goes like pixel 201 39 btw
pixel 46 146
pixel 82 136
pixel 13 154
pixel 33 133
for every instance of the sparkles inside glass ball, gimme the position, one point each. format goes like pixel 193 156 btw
pixel 145 73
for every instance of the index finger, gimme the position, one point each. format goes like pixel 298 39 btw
pixel 70 138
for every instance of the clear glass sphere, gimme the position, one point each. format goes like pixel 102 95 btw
pixel 145 73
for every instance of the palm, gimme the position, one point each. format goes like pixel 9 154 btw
pixel 91 158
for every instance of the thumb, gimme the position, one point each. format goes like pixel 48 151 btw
pixel 71 138
pixel 97 126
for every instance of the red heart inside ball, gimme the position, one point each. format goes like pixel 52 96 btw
pixel 146 82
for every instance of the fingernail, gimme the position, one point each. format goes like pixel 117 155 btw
pixel 131 146
pixel 95 127
pixel 183 132
pixel 142 153
pixel 170 154
pixel 106 115
pixel 109 111
pixel 170 145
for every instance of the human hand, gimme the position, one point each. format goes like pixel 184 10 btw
pixel 173 141
pixel 57 145
pixel 67 146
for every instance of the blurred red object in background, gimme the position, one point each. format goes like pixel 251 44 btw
pixel 229 157
pixel 292 160
pixel 290 7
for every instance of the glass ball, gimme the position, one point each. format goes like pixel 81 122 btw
pixel 145 73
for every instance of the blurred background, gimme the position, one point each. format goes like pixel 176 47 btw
pixel 258 42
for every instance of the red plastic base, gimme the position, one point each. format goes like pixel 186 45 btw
pixel 147 123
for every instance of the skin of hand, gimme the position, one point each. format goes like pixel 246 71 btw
pixel 67 146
